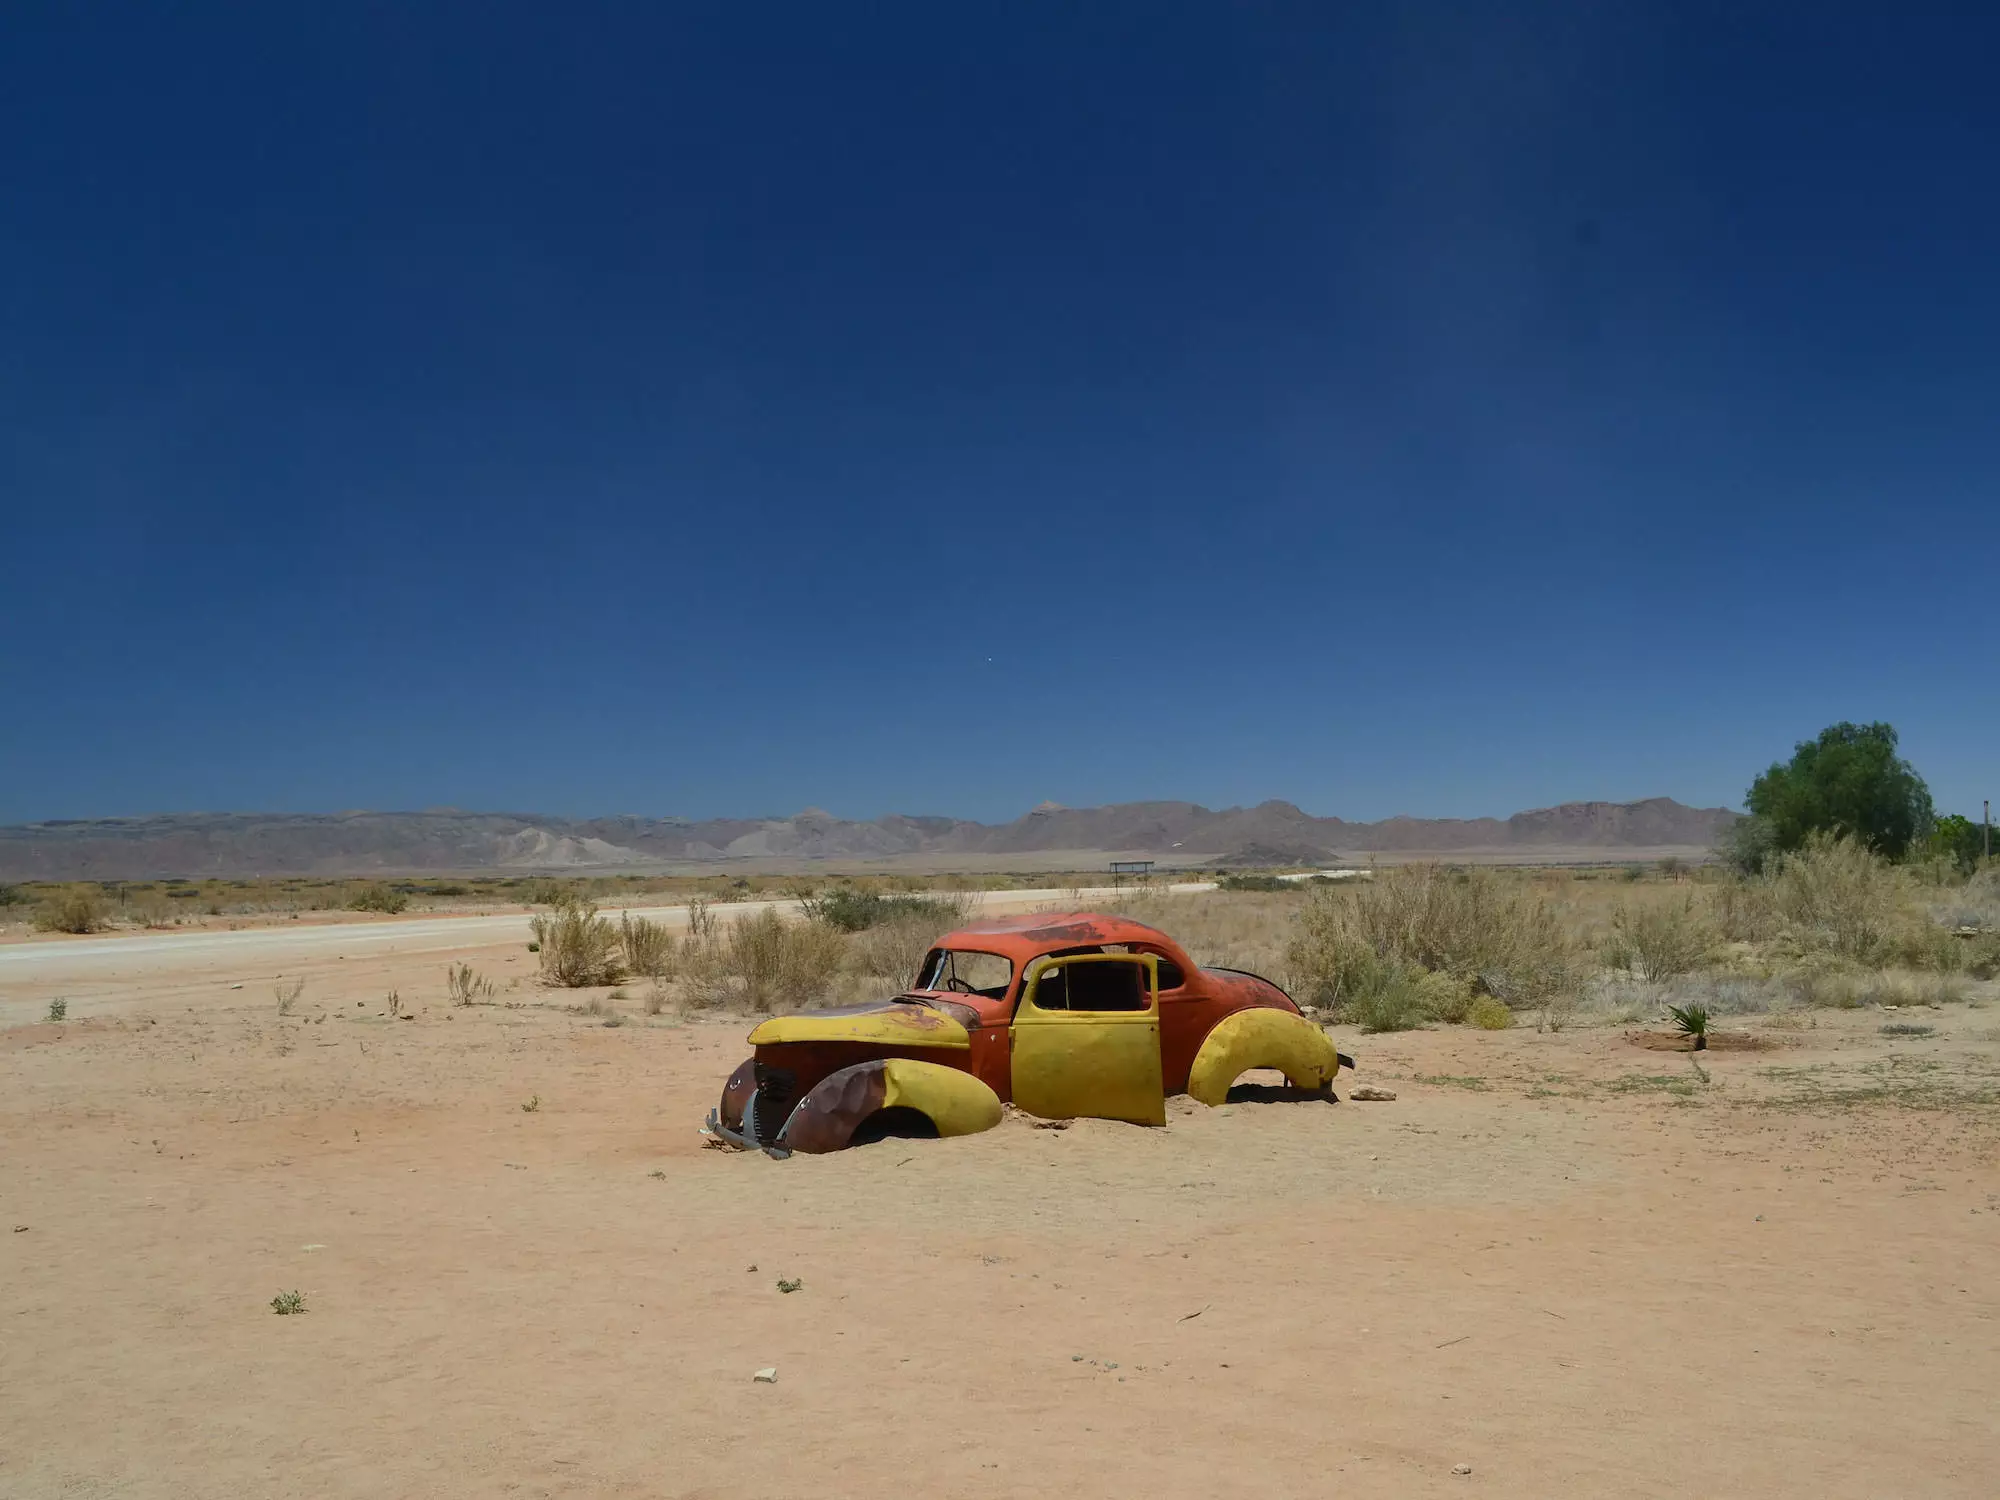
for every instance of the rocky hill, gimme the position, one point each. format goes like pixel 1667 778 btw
pixel 1180 833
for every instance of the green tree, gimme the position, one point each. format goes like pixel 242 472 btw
pixel 1849 781
pixel 1959 840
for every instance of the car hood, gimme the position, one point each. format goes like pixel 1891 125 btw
pixel 886 1023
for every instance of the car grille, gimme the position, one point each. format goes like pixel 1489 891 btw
pixel 777 1090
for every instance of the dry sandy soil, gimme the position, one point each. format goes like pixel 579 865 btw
pixel 1564 1261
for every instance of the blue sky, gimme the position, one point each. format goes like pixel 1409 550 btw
pixel 726 409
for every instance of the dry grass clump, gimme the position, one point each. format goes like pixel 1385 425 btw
pixel 1423 940
pixel 892 952
pixel 1662 940
pixel 466 985
pixel 577 946
pixel 646 945
pixel 1229 930
pixel 79 908
pixel 375 896
pixel 761 962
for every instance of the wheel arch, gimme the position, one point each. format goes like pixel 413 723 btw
pixel 954 1101
pixel 1261 1037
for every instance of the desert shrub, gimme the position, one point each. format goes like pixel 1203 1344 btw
pixel 846 909
pixel 1498 936
pixel 1489 1014
pixel 1394 1002
pixel 377 897
pixel 466 985
pixel 1661 940
pixel 779 962
pixel 1742 910
pixel 1256 883
pixel 543 891
pixel 1835 896
pixel 79 908
pixel 647 948
pixel 577 946
pixel 12 895
pixel 893 951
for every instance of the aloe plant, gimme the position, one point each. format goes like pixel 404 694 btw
pixel 1691 1020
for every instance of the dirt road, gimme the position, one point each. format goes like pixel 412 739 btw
pixel 1572 1265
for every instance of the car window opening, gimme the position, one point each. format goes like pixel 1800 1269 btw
pixel 966 971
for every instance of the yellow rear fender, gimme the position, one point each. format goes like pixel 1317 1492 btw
pixel 1262 1038
pixel 950 1098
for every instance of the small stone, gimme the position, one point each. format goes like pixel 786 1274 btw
pixel 1461 1468
pixel 766 1376
pixel 1369 1094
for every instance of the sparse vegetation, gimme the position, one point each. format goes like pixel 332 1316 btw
pixel 577 946
pixel 647 946
pixel 1247 882
pixel 466 985
pixel 287 994
pixel 287 1304
pixel 59 1009
pixel 780 962
pixel 1663 940
pixel 791 1285
pixel 1426 935
pixel 76 909
pixel 848 909
pixel 533 1105
pixel 375 896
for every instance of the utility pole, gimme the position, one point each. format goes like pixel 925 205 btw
pixel 1986 827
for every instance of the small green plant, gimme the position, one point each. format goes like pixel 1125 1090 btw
pixel 58 1009
pixel 1489 1014
pixel 789 1286
pixel 377 897
pixel 466 985
pixel 285 1304
pixel 1691 1020
pixel 533 1105
pixel 288 995
pixel 1905 1028
pixel 534 947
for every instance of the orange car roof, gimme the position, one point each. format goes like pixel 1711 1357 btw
pixel 1025 937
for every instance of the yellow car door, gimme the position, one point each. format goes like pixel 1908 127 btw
pixel 1086 1039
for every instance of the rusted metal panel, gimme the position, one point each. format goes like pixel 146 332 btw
pixel 826 1118
pixel 894 1024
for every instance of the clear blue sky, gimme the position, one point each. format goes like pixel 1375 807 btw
pixel 939 408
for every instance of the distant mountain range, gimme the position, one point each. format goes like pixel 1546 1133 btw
pixel 237 845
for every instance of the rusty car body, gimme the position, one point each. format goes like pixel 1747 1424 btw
pixel 1061 1015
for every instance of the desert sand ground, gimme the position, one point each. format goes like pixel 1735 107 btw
pixel 1568 1263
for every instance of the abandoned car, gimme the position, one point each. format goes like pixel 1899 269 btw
pixel 1062 1015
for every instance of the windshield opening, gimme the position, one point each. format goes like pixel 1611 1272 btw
pixel 966 971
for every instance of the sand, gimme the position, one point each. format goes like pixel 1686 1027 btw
pixel 1559 1259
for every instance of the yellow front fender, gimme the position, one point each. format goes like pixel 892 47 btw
pixel 1261 1038
pixel 957 1103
